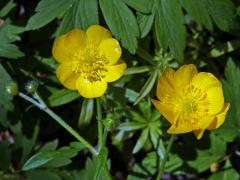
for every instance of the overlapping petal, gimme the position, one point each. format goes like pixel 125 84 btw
pixel 199 133
pixel 90 89
pixel 183 76
pixel 179 129
pixel 215 100
pixel 66 76
pixel 165 84
pixel 111 50
pixel 166 110
pixel 96 33
pixel 219 120
pixel 204 81
pixel 66 45
pixel 114 72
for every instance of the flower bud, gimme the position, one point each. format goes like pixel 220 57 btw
pixel 31 86
pixel 12 88
pixel 109 122
pixel 214 167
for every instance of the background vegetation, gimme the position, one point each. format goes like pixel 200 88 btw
pixel 154 34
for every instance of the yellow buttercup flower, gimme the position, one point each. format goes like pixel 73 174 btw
pixel 88 60
pixel 190 101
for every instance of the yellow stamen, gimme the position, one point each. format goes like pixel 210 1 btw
pixel 90 64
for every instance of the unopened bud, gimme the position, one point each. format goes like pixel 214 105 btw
pixel 214 167
pixel 109 122
pixel 31 86
pixel 12 88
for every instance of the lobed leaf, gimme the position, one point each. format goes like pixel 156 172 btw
pixel 169 27
pixel 121 22
pixel 46 11
pixel 61 97
pixel 81 14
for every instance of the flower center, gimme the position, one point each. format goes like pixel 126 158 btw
pixel 189 106
pixel 192 105
pixel 90 64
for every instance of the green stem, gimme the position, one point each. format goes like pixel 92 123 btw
pixel 58 119
pixel 137 70
pixel 163 162
pixel 102 136
pixel 100 126
pixel 145 56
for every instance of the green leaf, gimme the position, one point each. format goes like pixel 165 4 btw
pixel 101 163
pixel 82 14
pixel 169 27
pixel 46 11
pixel 150 162
pixel 42 174
pixel 121 22
pixel 130 126
pixel 139 173
pixel 199 155
pixel 147 87
pixel 5 155
pixel 222 12
pixel 137 117
pixel 42 158
pixel 5 97
pixel 174 163
pixel 86 112
pixel 50 146
pixel 198 11
pixel 62 97
pixel 231 89
pixel 10 51
pixel 141 141
pixel 155 116
pixel 146 111
pixel 58 162
pixel 145 23
pixel 88 13
pixel 90 170
pixel 140 5
pixel 130 94
pixel 7 8
pixel 155 132
pixel 8 34
pixel 227 173
pixel 77 145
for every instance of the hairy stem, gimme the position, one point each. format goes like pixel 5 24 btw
pixel 39 103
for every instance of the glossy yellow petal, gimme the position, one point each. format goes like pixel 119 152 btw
pixel 184 75
pixel 165 84
pixel 110 48
pixel 90 89
pixel 204 81
pixel 96 34
pixel 199 133
pixel 204 122
pixel 114 72
pixel 215 100
pixel 179 129
pixel 220 118
pixel 66 76
pixel 166 110
pixel 66 45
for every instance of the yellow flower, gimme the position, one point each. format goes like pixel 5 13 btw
pixel 190 101
pixel 88 60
